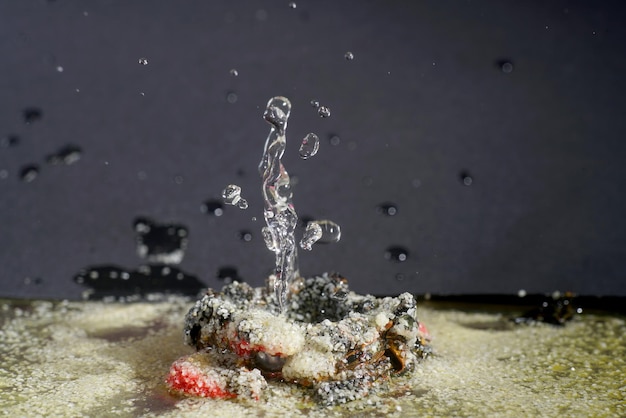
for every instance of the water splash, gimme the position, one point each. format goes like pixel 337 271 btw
pixel 331 232
pixel 311 235
pixel 280 214
pixel 323 112
pixel 232 196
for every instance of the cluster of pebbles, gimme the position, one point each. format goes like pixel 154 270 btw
pixel 340 345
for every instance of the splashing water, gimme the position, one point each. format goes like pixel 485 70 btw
pixel 309 146
pixel 312 234
pixel 280 214
pixel 331 232
pixel 232 196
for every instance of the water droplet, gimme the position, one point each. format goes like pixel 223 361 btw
pixel 242 203
pixel 232 196
pixel 349 56
pixel 160 243
pixel 32 114
pixel 59 69
pixel 292 5
pixel 466 178
pixel 334 140
pixel 143 61
pixel 29 173
pixel 212 207
pixel 67 155
pixel 315 103
pixel 234 72
pixel 268 238
pixel 389 209
pixel 505 65
pixel 4 174
pixel 231 97
pixel 9 141
pixel 311 235
pixel 323 111
pixel 521 293
pixel 245 235
pixel 396 254
pixel 331 232
pixel 309 146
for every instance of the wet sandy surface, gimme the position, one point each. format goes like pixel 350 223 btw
pixel 99 359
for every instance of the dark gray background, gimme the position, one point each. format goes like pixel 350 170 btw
pixel 423 101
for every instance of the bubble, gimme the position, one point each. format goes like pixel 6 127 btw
pixel 29 173
pixel 387 208
pixel 245 235
pixel 309 146
pixel 349 56
pixel 315 103
pixel 334 140
pixel 143 61
pixel 32 114
pixel 293 5
pixel 234 72
pixel 231 97
pixel 331 232
pixel 311 235
pixel 323 111
pixel 396 254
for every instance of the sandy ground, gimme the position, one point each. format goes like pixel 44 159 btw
pixel 98 359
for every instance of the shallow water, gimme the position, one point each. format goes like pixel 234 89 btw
pixel 110 359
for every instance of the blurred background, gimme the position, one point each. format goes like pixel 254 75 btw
pixel 472 146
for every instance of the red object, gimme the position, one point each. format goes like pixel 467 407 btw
pixel 189 378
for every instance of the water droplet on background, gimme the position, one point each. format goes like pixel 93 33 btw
pixel 396 254
pixel 387 208
pixel 67 155
pixel 323 111
pixel 160 243
pixel 234 72
pixel 29 173
pixel 466 178
pixel 311 235
pixel 334 140
pixel 32 114
pixel 9 141
pixel 349 56
pixel 245 235
pixel 231 97
pixel 212 207
pixel 309 146
pixel 331 232
pixel 315 103
pixel 143 61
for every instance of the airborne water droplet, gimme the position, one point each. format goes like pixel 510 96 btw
pixel 309 146
pixel 242 203
pixel 323 111
pixel 349 56
pixel 396 254
pixel 311 235
pixel 293 5
pixel 231 194
pixel 143 61
pixel 234 72
pixel 331 232
pixel 315 103
pixel 245 235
